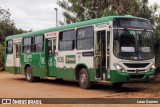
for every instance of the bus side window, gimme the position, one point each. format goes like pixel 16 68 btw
pixel 39 43
pixel 66 39
pixel 27 42
pixel 9 47
pixel 84 39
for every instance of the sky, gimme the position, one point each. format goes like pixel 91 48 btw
pixel 33 14
pixel 36 14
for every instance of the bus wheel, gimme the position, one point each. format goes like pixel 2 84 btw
pixel 117 85
pixel 84 79
pixel 29 76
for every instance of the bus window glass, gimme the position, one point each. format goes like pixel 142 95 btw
pixel 27 44
pixel 66 45
pixel 66 40
pixel 145 42
pixel 9 47
pixel 133 44
pixel 38 39
pixel 69 35
pixel 85 38
pixel 27 41
pixel 132 23
pixel 84 44
pixel 39 44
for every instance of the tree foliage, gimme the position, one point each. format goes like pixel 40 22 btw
pixel 7 27
pixel 80 10
pixel 157 44
pixel 1 57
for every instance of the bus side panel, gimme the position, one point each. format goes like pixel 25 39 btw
pixel 69 73
pixel 9 63
pixel 91 75
pixel 66 73
pixel 67 61
pixel 22 70
pixel 38 64
pixel 115 76
pixel 9 69
pixel 36 61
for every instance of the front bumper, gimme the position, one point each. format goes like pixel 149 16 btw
pixel 116 76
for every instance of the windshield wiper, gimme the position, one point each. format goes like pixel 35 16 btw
pixel 144 31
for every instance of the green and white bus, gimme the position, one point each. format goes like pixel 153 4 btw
pixel 113 49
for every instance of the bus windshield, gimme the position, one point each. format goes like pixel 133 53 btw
pixel 133 44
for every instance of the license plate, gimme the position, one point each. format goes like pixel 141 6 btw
pixel 151 76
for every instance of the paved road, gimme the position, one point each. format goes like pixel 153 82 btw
pixel 16 86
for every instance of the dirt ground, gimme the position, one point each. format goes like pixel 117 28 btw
pixel 15 86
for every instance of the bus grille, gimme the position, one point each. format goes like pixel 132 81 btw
pixel 137 76
pixel 136 65
pixel 134 71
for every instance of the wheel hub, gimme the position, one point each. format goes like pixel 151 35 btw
pixel 83 78
pixel 28 75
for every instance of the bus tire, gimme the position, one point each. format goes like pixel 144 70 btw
pixel 117 85
pixel 84 79
pixel 29 76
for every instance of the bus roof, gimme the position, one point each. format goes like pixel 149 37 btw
pixel 69 26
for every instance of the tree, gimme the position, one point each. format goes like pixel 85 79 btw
pixel 7 27
pixel 157 31
pixel 1 57
pixel 157 44
pixel 81 10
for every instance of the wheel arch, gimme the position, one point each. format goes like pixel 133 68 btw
pixel 26 65
pixel 78 68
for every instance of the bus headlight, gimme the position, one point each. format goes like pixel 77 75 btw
pixel 152 68
pixel 119 68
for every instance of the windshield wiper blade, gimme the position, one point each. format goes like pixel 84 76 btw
pixel 144 31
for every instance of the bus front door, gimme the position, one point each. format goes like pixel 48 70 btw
pixel 16 54
pixel 100 55
pixel 51 57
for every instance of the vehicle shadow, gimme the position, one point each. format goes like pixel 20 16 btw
pixel 129 87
